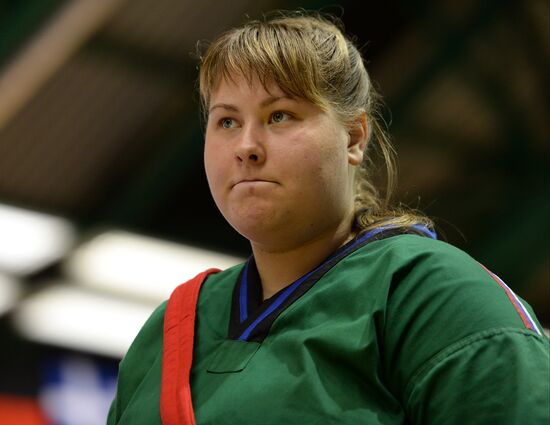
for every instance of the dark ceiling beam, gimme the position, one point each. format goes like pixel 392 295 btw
pixel 19 20
pixel 50 48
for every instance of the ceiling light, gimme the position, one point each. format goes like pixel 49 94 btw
pixel 30 240
pixel 140 266
pixel 76 318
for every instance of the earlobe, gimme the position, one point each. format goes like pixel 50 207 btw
pixel 358 138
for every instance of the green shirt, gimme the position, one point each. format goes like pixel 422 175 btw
pixel 404 330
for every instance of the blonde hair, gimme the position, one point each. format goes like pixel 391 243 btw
pixel 309 57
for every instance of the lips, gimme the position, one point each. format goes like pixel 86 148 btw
pixel 252 180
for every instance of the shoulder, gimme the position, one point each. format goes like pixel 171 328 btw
pixel 222 280
pixel 151 333
pixel 406 256
pixel 437 297
pixel 214 306
pixel 402 250
pixel 433 279
pixel 425 275
pixel 415 274
pixel 218 287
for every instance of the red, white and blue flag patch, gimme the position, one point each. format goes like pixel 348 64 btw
pixel 516 302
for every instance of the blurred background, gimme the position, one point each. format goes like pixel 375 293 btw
pixel 104 206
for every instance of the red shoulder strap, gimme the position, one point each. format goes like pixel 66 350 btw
pixel 176 407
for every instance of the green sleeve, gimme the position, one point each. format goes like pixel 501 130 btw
pixel 500 376
pixel 456 349
pixel 138 375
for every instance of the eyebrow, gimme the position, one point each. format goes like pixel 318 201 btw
pixel 266 102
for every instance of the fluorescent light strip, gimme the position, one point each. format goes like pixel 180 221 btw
pixel 30 240
pixel 140 266
pixel 76 318
pixel 10 292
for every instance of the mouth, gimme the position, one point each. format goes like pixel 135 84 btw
pixel 252 181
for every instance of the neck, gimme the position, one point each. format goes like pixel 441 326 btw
pixel 279 268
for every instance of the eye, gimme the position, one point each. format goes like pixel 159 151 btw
pixel 227 123
pixel 279 116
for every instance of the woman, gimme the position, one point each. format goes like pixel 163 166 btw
pixel 347 312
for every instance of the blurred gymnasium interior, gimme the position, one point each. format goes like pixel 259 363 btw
pixel 104 206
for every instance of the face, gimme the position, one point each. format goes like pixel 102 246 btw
pixel 280 169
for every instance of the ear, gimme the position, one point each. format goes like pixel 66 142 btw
pixel 358 139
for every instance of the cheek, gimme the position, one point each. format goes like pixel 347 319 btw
pixel 318 175
pixel 212 166
pixel 208 166
pixel 331 159
pixel 331 176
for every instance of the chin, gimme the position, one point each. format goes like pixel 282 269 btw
pixel 262 230
pixel 253 218
pixel 254 230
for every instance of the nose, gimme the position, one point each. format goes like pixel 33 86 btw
pixel 250 149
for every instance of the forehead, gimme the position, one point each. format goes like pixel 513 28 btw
pixel 233 84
